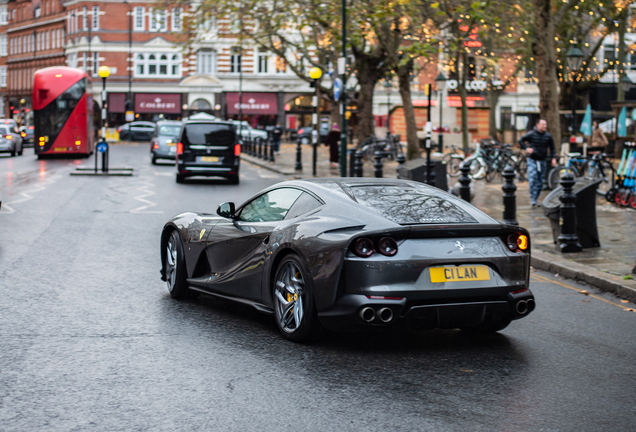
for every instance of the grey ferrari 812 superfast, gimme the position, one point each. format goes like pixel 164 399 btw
pixel 351 254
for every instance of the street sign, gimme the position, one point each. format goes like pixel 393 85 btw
pixel 314 136
pixel 337 88
pixel 102 147
pixel 342 65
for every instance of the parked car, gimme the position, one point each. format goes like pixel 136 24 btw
pixel 163 144
pixel 136 131
pixel 354 254
pixel 208 148
pixel 304 134
pixel 247 131
pixel 12 123
pixel 10 142
pixel 27 133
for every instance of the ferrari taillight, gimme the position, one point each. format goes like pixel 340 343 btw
pixel 179 148
pixel 517 242
pixel 363 247
pixel 237 150
pixel 387 246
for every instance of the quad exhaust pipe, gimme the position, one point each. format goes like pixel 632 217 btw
pixel 524 306
pixel 368 314
pixel 385 315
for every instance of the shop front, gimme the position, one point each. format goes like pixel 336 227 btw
pixel 259 109
pixel 147 106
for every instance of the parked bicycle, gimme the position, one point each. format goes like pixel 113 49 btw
pixel 390 147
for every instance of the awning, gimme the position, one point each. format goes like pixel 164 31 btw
pixel 252 103
pixel 158 103
pixel 116 102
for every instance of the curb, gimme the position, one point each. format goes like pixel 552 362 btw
pixel 581 273
pixel 268 166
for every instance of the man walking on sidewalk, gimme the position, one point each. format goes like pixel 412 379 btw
pixel 539 143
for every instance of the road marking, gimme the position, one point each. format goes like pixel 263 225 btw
pixel 146 193
pixel 7 209
pixel 547 280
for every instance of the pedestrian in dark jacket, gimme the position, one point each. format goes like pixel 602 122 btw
pixel 539 145
pixel 333 141
pixel 277 132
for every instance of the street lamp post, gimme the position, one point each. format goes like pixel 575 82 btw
pixel 441 85
pixel 129 98
pixel 21 114
pixel 103 72
pixel 388 85
pixel 315 74
pixel 575 59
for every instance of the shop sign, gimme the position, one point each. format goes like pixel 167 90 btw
pixel 159 103
pixel 474 85
pixel 252 103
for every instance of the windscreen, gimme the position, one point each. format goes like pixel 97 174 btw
pixel 170 130
pixel 407 205
pixel 50 120
pixel 209 134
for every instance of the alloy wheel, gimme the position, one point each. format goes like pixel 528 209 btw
pixel 288 292
pixel 171 261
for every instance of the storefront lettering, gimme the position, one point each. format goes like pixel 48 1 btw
pixel 157 104
pixel 252 105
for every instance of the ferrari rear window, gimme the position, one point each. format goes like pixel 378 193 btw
pixel 407 205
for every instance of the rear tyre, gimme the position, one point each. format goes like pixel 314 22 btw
pixel 12 152
pixel 175 270
pixel 304 140
pixel 632 201
pixel 180 178
pixel 154 160
pixel 293 300
pixel 233 179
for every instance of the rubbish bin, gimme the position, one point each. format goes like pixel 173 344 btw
pixel 586 229
pixel 416 170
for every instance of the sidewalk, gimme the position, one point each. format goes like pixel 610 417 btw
pixel 607 267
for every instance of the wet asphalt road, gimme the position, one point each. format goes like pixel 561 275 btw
pixel 90 339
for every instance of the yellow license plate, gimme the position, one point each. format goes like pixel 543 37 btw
pixel 209 158
pixel 59 149
pixel 459 274
pixel 171 144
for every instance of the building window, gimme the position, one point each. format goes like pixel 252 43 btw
pixel 206 61
pixel 139 19
pixel 176 19
pixel 95 17
pixel 262 61
pixel 152 64
pixel 47 42
pixel 95 65
pixel 609 53
pixel 158 65
pixel 46 7
pixel 235 60
pixel 84 61
pixel 3 76
pixel 72 60
pixel 281 65
pixel 4 18
pixel 38 12
pixel 158 21
pixel 141 65
pixel 85 18
pixel 3 45
pixel 176 65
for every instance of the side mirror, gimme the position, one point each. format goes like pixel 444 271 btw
pixel 226 210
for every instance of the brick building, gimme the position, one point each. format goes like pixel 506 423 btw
pixel 151 72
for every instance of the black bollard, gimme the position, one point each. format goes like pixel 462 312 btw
pixel 260 148
pixel 568 241
pixel 464 181
pixel 248 146
pixel 400 158
pixel 377 165
pixel 272 151
pixel 352 161
pixel 509 198
pixel 358 164
pixel 299 155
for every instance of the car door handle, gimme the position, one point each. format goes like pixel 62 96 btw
pixel 266 240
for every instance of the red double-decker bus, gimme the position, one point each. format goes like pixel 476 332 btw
pixel 63 112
